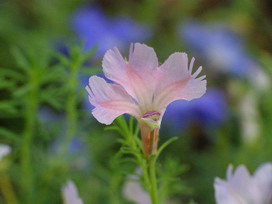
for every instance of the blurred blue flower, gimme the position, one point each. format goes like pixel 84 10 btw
pixel 94 28
pixel 47 115
pixel 219 47
pixel 76 146
pixel 76 152
pixel 209 111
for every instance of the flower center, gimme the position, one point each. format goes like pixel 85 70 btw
pixel 154 115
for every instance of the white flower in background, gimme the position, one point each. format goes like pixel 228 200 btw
pixel 4 150
pixel 259 78
pixel 133 191
pixel 250 117
pixel 242 188
pixel 70 194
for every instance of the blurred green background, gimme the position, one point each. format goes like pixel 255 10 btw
pixel 48 49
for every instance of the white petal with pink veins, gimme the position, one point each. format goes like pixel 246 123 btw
pixel 177 82
pixel 114 66
pixel 137 76
pixel 142 58
pixel 110 100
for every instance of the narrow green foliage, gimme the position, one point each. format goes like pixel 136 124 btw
pixel 164 145
pixel 169 179
pixel 9 135
pixel 36 81
pixel 74 62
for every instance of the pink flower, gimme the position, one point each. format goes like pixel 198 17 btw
pixel 143 88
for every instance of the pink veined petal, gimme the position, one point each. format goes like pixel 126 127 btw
pixel 143 64
pixel 114 66
pixel 142 58
pixel 110 100
pixel 136 75
pixel 177 82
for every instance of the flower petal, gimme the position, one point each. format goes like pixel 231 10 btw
pixel 136 75
pixel 224 194
pixel 176 81
pixel 110 100
pixel 133 191
pixel 263 180
pixel 238 189
pixel 241 181
pixel 142 58
pixel 114 66
pixel 70 194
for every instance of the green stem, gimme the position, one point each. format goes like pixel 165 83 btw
pixel 145 175
pixel 72 103
pixel 147 165
pixel 115 182
pixel 26 164
pixel 71 109
pixel 141 160
pixel 153 180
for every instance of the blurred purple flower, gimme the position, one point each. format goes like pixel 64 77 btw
pixel 96 29
pixel 219 47
pixel 48 115
pixel 208 111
